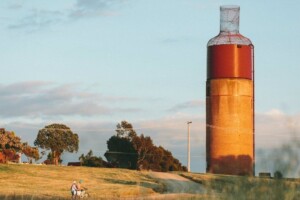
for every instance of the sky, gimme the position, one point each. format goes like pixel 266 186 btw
pixel 92 63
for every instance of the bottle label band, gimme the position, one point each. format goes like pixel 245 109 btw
pixel 230 61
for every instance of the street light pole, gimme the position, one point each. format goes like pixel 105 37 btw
pixel 189 151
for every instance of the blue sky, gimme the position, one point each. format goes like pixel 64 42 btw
pixel 92 63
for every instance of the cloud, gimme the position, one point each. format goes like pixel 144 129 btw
pixel 93 4
pixel 15 6
pixel 94 8
pixel 275 113
pixel 193 104
pixel 277 142
pixel 35 19
pixel 44 99
pixel 274 127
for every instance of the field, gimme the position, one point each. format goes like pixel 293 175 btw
pixel 53 182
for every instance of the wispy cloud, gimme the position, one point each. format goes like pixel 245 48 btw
pixel 274 127
pixel 42 99
pixel 37 19
pixel 193 104
pixel 94 8
pixel 34 18
pixel 15 6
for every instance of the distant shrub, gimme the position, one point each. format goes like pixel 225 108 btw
pixel 90 160
pixel 278 175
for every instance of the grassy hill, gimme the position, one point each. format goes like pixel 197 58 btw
pixel 53 182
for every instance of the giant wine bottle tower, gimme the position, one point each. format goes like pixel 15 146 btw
pixel 230 99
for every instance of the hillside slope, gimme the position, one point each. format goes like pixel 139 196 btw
pixel 53 182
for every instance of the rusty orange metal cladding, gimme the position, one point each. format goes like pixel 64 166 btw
pixel 229 118
pixel 229 61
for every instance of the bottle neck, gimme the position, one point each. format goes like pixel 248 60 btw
pixel 229 19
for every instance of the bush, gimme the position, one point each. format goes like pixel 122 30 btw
pixel 278 175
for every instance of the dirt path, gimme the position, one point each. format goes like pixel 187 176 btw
pixel 177 187
pixel 177 184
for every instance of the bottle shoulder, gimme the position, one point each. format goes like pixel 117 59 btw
pixel 229 38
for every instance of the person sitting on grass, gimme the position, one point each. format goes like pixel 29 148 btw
pixel 81 191
pixel 79 187
pixel 74 190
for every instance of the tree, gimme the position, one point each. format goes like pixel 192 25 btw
pixel 90 160
pixel 10 144
pixel 144 146
pixel 30 152
pixel 121 152
pixel 141 145
pixel 155 159
pixel 57 138
pixel 9 140
pixel 129 150
pixel 278 175
pixel 125 129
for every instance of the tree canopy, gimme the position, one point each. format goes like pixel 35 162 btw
pixel 125 129
pixel 30 152
pixel 57 138
pixel 10 145
pixel 90 160
pixel 129 150
pixel 121 152
pixel 9 140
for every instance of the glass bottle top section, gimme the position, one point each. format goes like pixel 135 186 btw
pixel 229 19
pixel 229 28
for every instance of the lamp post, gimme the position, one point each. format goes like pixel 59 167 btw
pixel 189 151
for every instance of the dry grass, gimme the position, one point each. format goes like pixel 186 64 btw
pixel 241 187
pixel 53 182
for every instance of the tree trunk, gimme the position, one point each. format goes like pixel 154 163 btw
pixel 55 157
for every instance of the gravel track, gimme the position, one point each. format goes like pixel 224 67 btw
pixel 177 187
